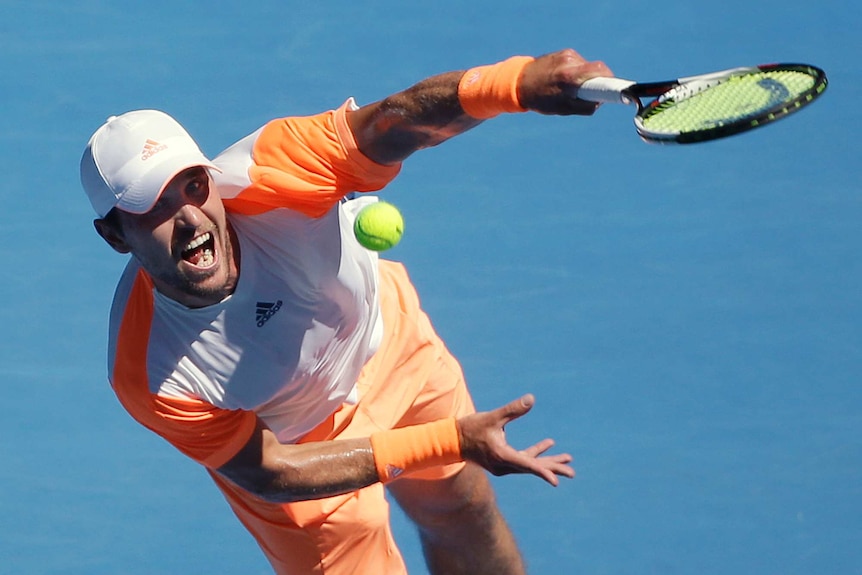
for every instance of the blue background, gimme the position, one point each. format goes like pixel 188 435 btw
pixel 688 317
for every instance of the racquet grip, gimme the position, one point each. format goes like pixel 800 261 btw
pixel 605 90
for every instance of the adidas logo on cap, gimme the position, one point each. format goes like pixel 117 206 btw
pixel 151 148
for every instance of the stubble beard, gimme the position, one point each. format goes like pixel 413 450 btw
pixel 199 291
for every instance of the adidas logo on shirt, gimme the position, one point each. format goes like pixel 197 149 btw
pixel 266 310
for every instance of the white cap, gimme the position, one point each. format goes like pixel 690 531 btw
pixel 132 157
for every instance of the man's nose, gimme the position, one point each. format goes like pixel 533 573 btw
pixel 189 215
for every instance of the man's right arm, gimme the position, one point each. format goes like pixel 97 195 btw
pixel 431 111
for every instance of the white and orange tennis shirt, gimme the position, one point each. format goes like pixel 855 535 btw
pixel 320 339
pixel 288 345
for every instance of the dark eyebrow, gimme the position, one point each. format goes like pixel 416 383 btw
pixel 194 172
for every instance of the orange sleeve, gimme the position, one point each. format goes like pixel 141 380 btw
pixel 207 434
pixel 308 164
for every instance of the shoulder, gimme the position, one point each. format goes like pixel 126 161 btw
pixel 132 274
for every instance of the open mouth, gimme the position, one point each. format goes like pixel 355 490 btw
pixel 200 252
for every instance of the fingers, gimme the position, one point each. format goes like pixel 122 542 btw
pixel 595 69
pixel 572 54
pixel 581 71
pixel 483 441
pixel 575 69
pixel 539 448
pixel 579 75
pixel 556 465
pixel 559 465
pixel 517 408
pixel 551 468
pixel 549 85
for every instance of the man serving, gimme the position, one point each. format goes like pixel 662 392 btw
pixel 252 331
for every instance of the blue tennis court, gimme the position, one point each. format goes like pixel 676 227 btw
pixel 689 318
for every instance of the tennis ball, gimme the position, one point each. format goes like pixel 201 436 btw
pixel 379 226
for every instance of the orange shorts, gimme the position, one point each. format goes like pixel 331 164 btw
pixel 412 379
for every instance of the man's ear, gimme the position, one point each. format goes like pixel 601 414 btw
pixel 112 235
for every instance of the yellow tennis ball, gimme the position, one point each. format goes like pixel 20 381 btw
pixel 379 226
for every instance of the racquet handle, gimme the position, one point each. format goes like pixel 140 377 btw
pixel 605 90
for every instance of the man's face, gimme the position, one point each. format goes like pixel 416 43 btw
pixel 183 242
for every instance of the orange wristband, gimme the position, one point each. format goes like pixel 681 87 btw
pixel 406 449
pixel 487 91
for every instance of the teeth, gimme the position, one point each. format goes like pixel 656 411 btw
pixel 207 259
pixel 200 240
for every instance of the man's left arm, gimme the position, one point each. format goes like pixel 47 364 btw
pixel 433 110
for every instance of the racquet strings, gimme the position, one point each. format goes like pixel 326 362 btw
pixel 738 99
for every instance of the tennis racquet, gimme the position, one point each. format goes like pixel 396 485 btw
pixel 711 106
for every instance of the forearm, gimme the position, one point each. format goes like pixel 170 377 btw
pixel 422 116
pixel 316 470
pixel 283 473
pixel 449 104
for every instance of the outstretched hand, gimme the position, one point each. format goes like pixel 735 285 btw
pixel 549 84
pixel 483 441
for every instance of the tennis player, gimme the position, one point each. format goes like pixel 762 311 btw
pixel 253 333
